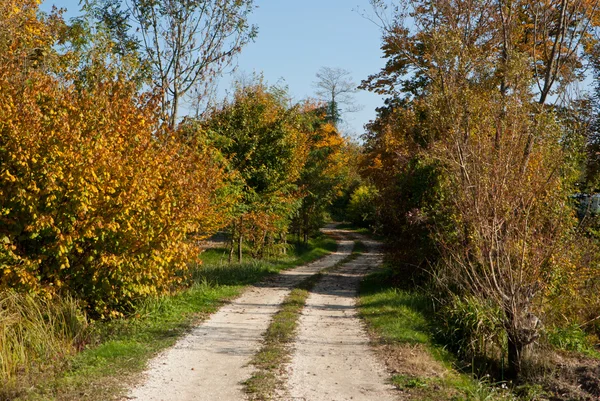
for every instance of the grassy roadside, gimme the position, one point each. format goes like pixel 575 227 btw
pixel 275 351
pixel 401 325
pixel 118 349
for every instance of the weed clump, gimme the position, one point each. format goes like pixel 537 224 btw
pixel 36 335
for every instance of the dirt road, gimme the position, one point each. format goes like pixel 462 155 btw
pixel 211 362
pixel 332 359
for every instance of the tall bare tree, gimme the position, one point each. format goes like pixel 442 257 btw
pixel 190 42
pixel 336 87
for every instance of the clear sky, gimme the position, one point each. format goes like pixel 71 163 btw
pixel 296 38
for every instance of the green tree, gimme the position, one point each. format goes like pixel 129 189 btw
pixel 362 206
pixel 109 17
pixel 259 136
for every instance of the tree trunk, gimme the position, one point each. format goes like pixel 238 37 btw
pixel 552 69
pixel 515 354
pixel 306 227
pixel 240 241
pixel 232 243
pixel 284 241
pixel 522 331
pixel 174 110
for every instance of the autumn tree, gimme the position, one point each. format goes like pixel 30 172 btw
pixel 93 205
pixel 325 173
pixel 260 138
pixel 468 83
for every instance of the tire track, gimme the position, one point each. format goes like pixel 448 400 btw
pixel 332 358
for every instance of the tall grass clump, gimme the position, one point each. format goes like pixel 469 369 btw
pixel 36 335
pixel 473 329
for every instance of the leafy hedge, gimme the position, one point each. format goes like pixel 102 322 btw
pixel 96 197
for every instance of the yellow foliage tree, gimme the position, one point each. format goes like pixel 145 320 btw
pixel 326 171
pixel 96 197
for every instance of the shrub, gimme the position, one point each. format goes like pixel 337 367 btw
pixel 473 328
pixel 362 206
pixel 570 338
pixel 97 199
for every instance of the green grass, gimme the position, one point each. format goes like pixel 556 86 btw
pixel 572 338
pixel 298 253
pixel 118 349
pixel 395 314
pixel 359 248
pixel 280 333
pixel 274 353
pixel 353 228
pixel 400 318
pixel 36 336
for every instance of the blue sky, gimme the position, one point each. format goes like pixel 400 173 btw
pixel 296 38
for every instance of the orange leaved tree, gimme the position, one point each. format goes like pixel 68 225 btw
pixel 469 83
